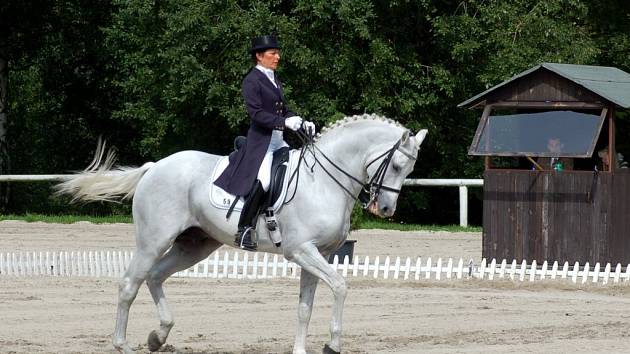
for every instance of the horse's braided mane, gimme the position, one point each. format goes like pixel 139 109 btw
pixel 351 119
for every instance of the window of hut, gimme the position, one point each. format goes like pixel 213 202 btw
pixel 557 133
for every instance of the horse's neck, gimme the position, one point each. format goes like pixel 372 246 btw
pixel 350 147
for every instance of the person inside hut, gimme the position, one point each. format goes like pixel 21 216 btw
pixel 557 163
pixel 248 173
pixel 605 160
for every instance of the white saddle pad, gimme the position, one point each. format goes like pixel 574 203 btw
pixel 223 200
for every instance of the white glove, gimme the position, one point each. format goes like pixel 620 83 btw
pixel 294 123
pixel 309 127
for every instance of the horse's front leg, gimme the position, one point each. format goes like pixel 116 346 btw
pixel 308 285
pixel 311 261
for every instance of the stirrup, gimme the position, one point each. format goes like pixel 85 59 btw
pixel 244 242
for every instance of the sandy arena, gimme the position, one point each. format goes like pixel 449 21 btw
pixel 76 315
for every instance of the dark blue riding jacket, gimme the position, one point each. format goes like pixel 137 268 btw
pixel 267 110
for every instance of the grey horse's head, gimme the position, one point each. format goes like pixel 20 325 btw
pixel 400 166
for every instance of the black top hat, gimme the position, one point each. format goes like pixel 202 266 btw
pixel 264 43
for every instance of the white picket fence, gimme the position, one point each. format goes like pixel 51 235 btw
pixel 244 265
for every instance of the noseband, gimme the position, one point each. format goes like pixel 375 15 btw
pixel 370 190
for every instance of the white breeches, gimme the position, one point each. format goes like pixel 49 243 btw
pixel 264 173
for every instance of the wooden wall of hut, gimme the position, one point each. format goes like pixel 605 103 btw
pixel 557 216
pixel 543 86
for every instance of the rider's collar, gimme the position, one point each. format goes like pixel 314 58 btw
pixel 268 73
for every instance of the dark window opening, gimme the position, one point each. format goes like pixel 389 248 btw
pixel 549 134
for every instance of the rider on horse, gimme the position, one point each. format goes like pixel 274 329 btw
pixel 248 173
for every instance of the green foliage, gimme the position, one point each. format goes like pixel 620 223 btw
pixel 69 219
pixel 389 225
pixel 155 77
pixel 357 217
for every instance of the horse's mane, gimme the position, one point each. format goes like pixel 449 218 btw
pixel 357 118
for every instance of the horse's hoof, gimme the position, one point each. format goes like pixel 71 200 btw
pixel 154 341
pixel 327 350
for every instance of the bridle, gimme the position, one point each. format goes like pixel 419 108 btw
pixel 371 190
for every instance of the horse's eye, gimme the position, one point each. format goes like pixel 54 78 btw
pixel 396 168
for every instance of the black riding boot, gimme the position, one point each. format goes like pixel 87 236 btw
pixel 249 214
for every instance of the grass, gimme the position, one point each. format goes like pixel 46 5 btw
pixel 109 219
pixel 389 225
pixel 69 219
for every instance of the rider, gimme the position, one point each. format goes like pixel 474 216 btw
pixel 248 173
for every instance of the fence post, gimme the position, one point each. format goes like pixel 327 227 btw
pixel 585 272
pixel 274 271
pixel 235 266
pixel 463 206
pixel 606 273
pixel 449 268
pixel 617 273
pixel 407 268
pixel 460 268
pixel 355 266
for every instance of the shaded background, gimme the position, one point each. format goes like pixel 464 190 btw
pixel 156 77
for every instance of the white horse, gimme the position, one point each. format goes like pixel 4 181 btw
pixel 177 226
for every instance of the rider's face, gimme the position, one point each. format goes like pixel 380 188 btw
pixel 269 58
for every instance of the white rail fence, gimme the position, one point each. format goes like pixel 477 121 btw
pixel 239 265
pixel 463 185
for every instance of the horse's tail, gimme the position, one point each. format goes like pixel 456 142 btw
pixel 101 181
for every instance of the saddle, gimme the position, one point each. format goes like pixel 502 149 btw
pixel 277 188
pixel 278 170
pixel 265 205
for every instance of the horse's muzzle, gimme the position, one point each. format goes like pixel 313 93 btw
pixel 383 212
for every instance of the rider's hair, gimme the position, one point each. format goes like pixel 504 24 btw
pixel 254 59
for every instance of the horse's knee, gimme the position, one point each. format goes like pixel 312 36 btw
pixel 304 311
pixel 339 289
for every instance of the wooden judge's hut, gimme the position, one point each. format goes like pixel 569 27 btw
pixel 554 186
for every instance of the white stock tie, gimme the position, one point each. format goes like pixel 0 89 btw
pixel 269 73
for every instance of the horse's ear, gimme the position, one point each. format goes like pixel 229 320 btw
pixel 420 136
pixel 405 138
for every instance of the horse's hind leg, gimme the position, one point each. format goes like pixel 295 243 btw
pixel 128 287
pixel 182 255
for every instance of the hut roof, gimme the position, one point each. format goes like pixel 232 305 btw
pixel 607 82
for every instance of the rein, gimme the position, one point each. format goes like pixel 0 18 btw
pixel 370 190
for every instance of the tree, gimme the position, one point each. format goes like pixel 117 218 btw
pixel 17 40
pixel 59 97
pixel 156 77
